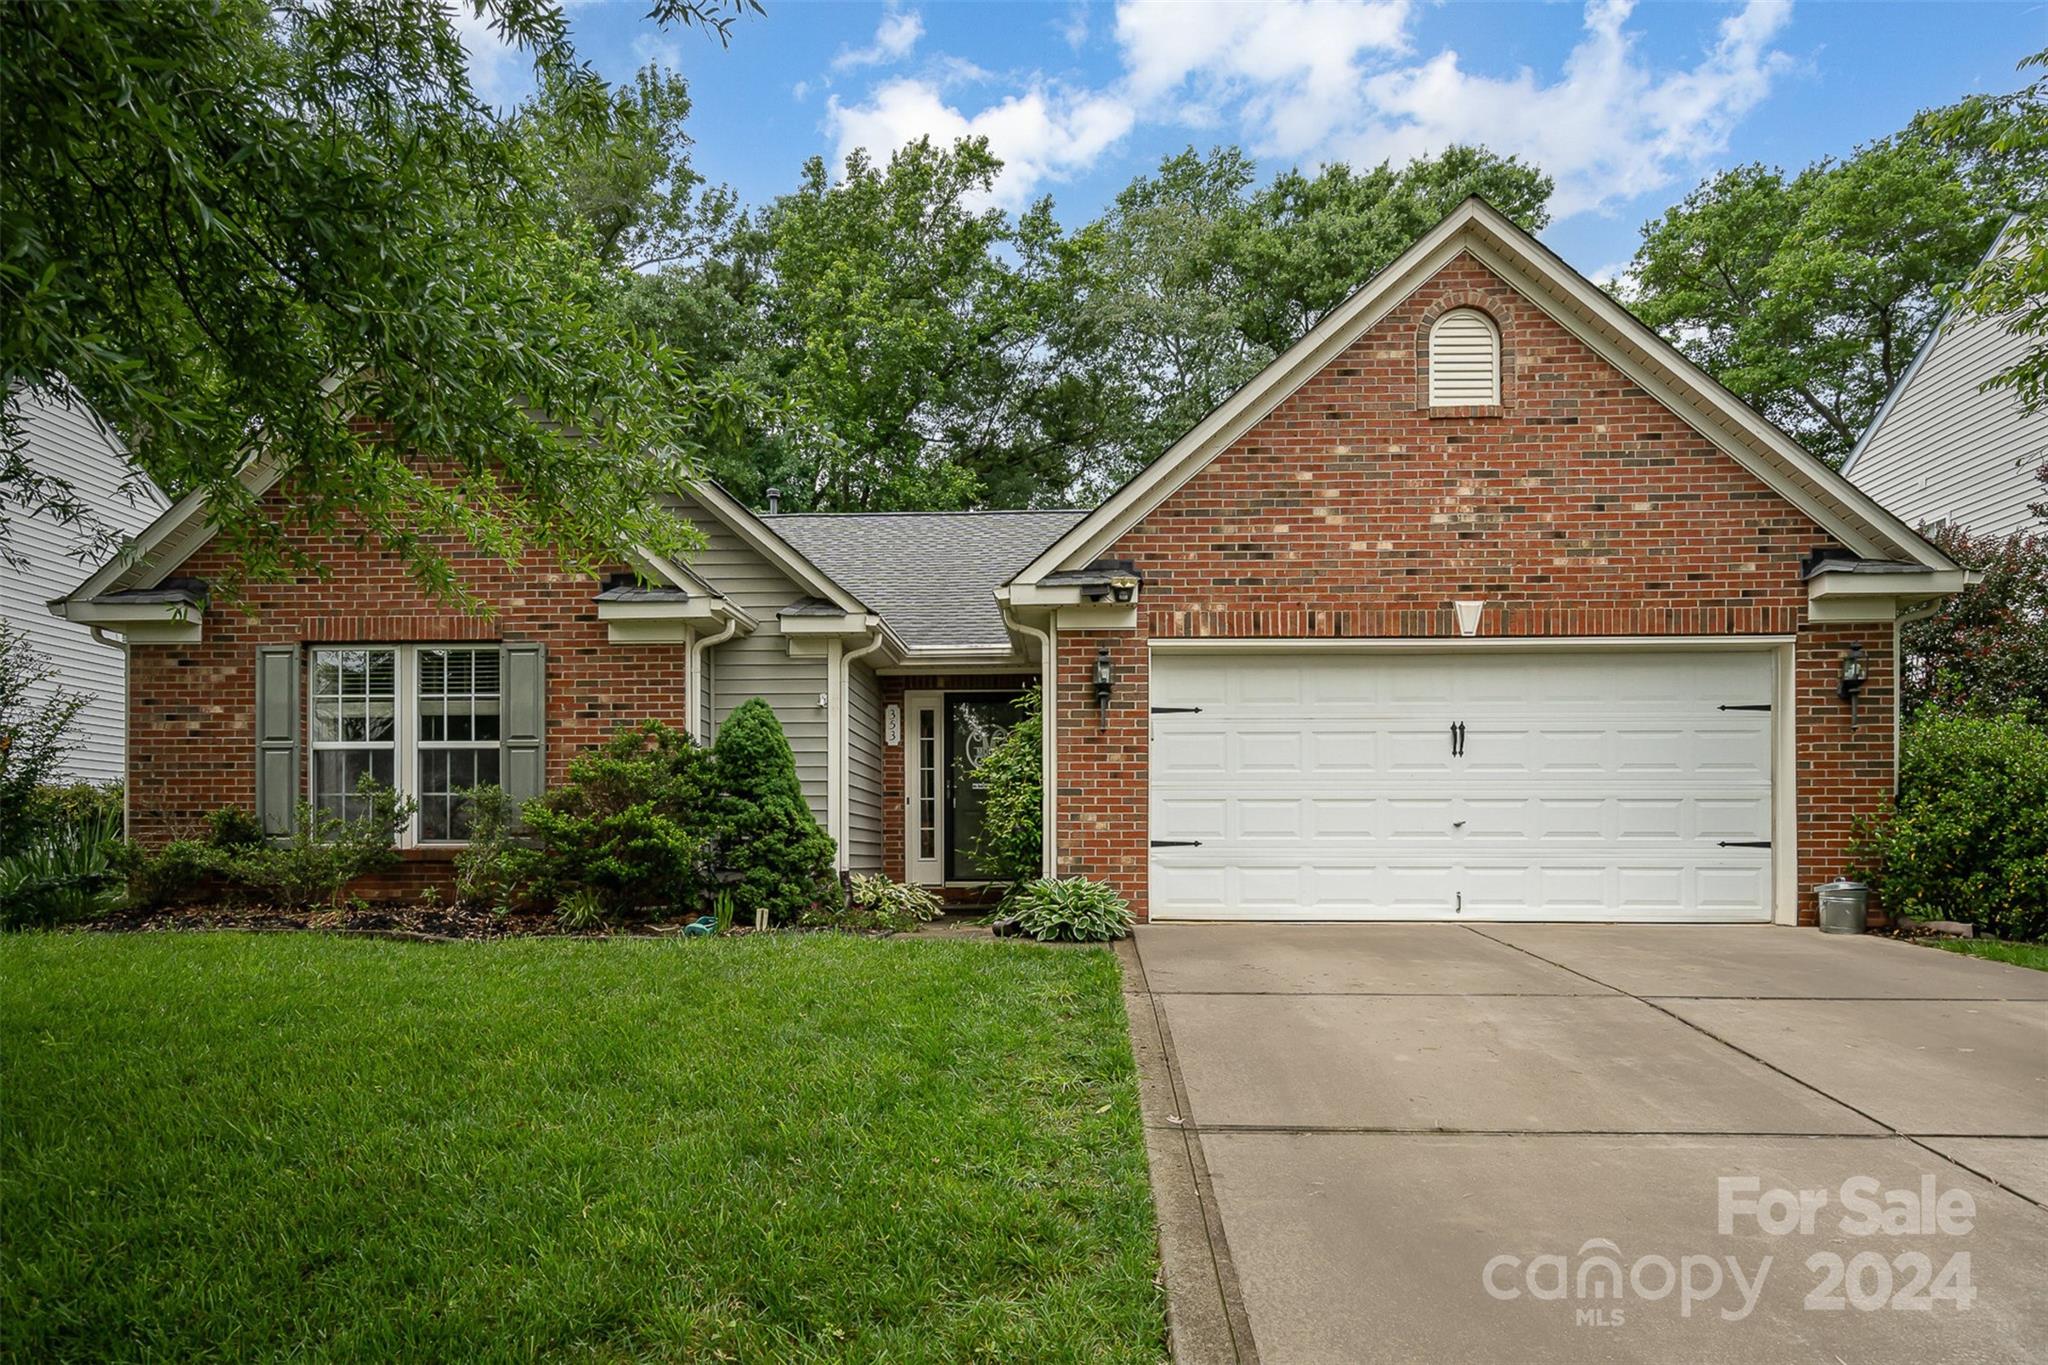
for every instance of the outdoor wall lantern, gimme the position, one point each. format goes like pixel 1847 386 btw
pixel 1855 672
pixel 1124 587
pixel 1105 683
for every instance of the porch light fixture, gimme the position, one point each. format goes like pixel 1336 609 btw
pixel 1855 672
pixel 1124 587
pixel 1105 683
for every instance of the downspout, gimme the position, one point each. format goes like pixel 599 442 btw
pixel 1049 740
pixel 693 679
pixel 99 637
pixel 843 701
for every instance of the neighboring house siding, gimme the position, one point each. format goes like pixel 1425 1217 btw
pixel 1943 449
pixel 760 665
pixel 192 706
pixel 69 443
pixel 1583 507
pixel 863 769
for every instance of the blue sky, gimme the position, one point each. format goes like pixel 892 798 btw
pixel 1627 106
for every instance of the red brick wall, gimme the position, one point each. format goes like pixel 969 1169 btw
pixel 1580 506
pixel 191 708
pixel 893 689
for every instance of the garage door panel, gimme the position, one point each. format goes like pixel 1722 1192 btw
pixel 1599 786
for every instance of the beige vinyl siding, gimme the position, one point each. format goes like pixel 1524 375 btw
pixel 1945 451
pixel 759 665
pixel 67 442
pixel 1464 361
pixel 864 758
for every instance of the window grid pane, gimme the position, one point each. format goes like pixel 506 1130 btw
pixel 927 784
pixel 457 708
pixel 353 726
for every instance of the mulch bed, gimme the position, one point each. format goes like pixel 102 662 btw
pixel 436 923
pixel 422 923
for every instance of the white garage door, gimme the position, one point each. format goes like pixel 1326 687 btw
pixel 1529 785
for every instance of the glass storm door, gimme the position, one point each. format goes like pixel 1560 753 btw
pixel 975 723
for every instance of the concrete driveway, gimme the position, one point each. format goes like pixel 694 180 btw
pixel 1429 1142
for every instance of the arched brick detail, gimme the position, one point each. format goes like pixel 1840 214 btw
pixel 1501 309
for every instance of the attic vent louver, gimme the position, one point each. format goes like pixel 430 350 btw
pixel 1464 360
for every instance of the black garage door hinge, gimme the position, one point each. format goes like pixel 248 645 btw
pixel 1746 706
pixel 1174 710
pixel 1745 843
pixel 1176 843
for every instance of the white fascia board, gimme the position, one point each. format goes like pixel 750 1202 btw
pixel 762 538
pixel 694 609
pixel 178 533
pixel 850 623
pixel 138 623
pixel 1841 586
pixel 1775 458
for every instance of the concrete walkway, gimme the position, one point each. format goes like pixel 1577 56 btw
pixel 1427 1142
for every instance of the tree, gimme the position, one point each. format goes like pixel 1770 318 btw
pixel 34 717
pixel 769 842
pixel 1197 279
pixel 1986 648
pixel 1808 296
pixel 289 229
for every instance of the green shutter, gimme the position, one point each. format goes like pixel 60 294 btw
pixel 277 738
pixel 522 748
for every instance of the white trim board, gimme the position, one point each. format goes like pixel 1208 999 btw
pixel 1492 239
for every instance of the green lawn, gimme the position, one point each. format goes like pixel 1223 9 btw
pixel 785 1148
pixel 2033 955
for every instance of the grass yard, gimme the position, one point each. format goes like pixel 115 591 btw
pixel 784 1148
pixel 2033 955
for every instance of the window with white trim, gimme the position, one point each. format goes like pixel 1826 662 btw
pixel 1464 360
pixel 422 719
pixel 354 726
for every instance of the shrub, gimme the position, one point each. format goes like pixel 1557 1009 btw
pixel 875 902
pixel 1012 804
pixel 1070 908
pixel 581 911
pixel 75 803
pixel 1968 838
pixel 769 844
pixel 34 715
pixel 629 826
pixel 493 869
pixel 65 873
pixel 1986 648
pixel 323 854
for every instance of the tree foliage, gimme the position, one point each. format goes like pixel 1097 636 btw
pixel 290 228
pixel 35 715
pixel 1986 648
pixel 1807 295
pixel 1011 776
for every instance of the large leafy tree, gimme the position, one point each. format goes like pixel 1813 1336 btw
pixel 288 229
pixel 1808 294
pixel 902 323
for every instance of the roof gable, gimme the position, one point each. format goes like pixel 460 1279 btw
pixel 1553 287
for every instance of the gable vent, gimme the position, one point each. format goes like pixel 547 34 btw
pixel 1464 360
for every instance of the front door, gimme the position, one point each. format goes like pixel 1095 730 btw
pixel 945 737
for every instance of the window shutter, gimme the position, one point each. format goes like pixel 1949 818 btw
pixel 1464 361
pixel 522 746
pixel 277 738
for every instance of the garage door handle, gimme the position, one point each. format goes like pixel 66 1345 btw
pixel 1457 739
pixel 1745 843
pixel 1745 706
pixel 1176 843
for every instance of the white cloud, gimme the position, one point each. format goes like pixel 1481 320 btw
pixel 500 73
pixel 1321 80
pixel 1041 134
pixel 1609 128
pixel 895 36
pixel 1074 28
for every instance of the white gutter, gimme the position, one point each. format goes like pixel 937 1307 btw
pixel 693 675
pixel 842 690
pixel 1049 739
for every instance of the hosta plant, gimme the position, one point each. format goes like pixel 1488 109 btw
pixel 1073 909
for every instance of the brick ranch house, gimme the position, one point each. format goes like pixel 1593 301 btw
pixel 1480 602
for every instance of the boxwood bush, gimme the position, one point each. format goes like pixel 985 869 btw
pixel 1968 837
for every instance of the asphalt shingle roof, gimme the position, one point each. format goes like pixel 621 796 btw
pixel 931 575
